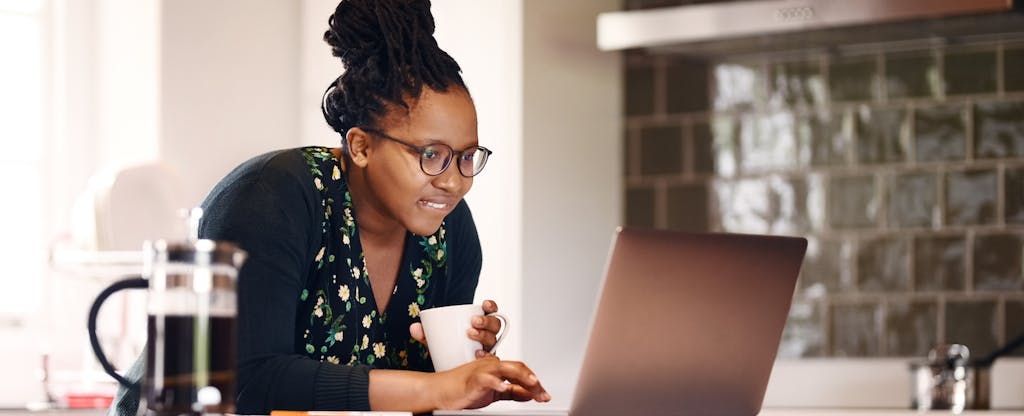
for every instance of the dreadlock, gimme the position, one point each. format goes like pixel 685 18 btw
pixel 389 53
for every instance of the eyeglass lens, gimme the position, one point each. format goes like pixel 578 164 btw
pixel 435 158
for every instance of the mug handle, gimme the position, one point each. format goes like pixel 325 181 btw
pixel 501 333
pixel 131 283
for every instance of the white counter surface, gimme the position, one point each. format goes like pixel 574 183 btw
pixel 878 412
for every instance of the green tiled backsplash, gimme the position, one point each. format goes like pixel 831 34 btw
pixel 904 169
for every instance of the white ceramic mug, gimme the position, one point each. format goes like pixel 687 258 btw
pixel 447 339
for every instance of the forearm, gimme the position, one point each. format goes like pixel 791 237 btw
pixel 402 390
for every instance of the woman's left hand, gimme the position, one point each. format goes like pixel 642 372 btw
pixel 484 329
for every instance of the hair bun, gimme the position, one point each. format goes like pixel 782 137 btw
pixel 359 29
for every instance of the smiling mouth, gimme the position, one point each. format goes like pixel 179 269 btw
pixel 440 206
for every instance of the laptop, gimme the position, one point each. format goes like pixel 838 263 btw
pixel 685 324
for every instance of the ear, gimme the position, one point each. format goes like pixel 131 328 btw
pixel 358 146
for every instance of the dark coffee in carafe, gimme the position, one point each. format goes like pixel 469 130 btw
pixel 177 371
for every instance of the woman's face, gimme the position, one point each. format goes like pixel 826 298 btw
pixel 418 201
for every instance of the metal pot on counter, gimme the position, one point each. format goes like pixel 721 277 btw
pixel 950 380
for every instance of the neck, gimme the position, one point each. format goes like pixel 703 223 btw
pixel 375 226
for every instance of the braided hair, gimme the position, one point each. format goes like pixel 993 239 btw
pixel 389 53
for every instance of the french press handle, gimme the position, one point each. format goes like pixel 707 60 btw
pixel 136 282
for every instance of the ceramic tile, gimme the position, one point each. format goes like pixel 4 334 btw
pixel 826 268
pixel 686 83
pixel 1015 323
pixel 640 207
pixel 883 265
pixel 854 79
pixel 831 138
pixel 1014 192
pixel 882 135
pixel 999 129
pixel 941 133
pixel 972 72
pixel 661 150
pixel 852 202
pixel 804 334
pixel 911 328
pixel 912 75
pixel 913 200
pixel 688 208
pixel 767 142
pixel 798 83
pixel 769 205
pixel 1013 69
pixel 725 145
pixel 971 197
pixel 639 90
pixel 856 330
pixel 997 262
pixel 737 86
pixel 703 149
pixel 940 263
pixel 972 323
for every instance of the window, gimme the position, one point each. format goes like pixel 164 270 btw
pixel 23 82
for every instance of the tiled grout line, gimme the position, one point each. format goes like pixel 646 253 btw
pixel 1001 321
pixel 1000 69
pixel 940 312
pixel 1001 195
pixel 969 261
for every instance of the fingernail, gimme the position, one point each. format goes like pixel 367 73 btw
pixel 545 397
pixel 473 332
pixel 478 320
pixel 533 378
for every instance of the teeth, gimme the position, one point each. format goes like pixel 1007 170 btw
pixel 435 205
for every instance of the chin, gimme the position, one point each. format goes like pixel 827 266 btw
pixel 424 227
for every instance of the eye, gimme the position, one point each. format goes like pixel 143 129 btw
pixel 468 156
pixel 430 154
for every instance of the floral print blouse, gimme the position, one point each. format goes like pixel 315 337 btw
pixel 342 324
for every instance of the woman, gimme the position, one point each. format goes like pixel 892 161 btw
pixel 347 245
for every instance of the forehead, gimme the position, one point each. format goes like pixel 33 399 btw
pixel 448 117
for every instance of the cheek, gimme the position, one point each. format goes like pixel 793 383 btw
pixel 402 185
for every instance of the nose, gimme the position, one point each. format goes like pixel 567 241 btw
pixel 451 180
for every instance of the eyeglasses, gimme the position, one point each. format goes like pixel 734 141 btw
pixel 435 158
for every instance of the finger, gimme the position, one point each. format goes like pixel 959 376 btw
pixel 416 331
pixel 484 354
pixel 491 382
pixel 521 394
pixel 518 373
pixel 490 306
pixel 485 338
pixel 486 323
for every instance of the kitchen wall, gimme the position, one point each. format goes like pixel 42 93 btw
pixel 903 166
pixel 213 85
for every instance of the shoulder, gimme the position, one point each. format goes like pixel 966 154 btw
pixel 283 174
pixel 264 199
pixel 272 169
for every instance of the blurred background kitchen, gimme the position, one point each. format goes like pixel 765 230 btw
pixel 900 157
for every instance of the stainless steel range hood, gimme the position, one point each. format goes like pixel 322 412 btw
pixel 773 25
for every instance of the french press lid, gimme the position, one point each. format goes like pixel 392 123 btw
pixel 197 263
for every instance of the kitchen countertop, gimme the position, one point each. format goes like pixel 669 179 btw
pixel 877 412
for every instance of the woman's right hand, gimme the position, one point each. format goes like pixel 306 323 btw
pixel 483 381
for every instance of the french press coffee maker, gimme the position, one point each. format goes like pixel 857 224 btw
pixel 191 334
